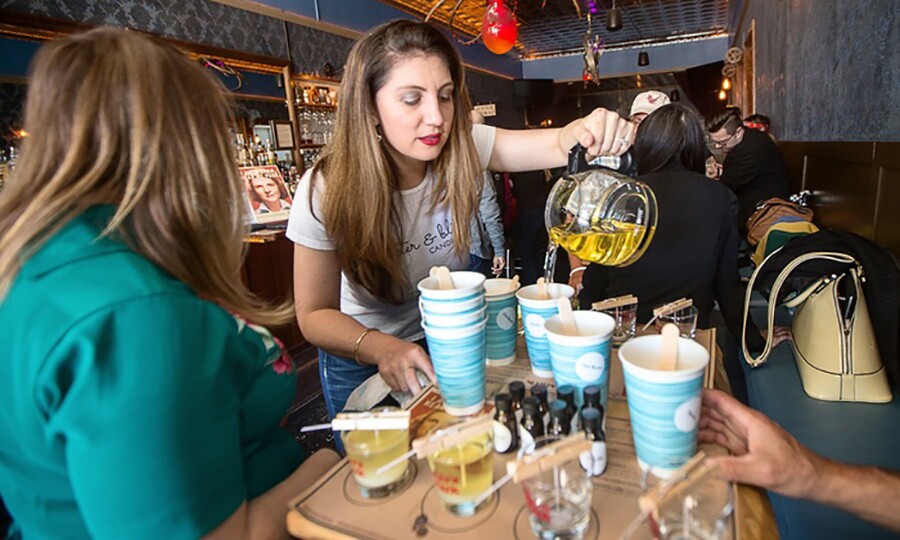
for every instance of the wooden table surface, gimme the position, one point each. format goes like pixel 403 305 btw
pixel 615 493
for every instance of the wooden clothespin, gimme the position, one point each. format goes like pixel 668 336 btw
pixel 452 435
pixel 548 457
pixel 615 302
pixel 695 470
pixel 370 421
pixel 665 309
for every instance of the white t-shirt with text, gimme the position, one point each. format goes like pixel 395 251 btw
pixel 427 242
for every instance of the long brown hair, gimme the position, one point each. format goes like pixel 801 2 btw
pixel 116 117
pixel 360 197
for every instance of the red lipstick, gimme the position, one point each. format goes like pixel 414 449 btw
pixel 431 140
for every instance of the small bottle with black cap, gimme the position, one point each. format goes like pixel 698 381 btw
pixel 594 462
pixel 532 425
pixel 506 431
pixel 591 397
pixel 560 423
pixel 517 393
pixel 566 392
pixel 539 391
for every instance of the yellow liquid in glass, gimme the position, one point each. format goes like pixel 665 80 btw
pixel 610 243
pixel 369 450
pixel 463 472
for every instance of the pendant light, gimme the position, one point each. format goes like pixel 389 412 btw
pixel 643 59
pixel 614 18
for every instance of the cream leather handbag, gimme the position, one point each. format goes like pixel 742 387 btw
pixel 833 340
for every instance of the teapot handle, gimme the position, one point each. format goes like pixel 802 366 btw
pixel 578 162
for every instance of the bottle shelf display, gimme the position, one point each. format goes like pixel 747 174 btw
pixel 315 103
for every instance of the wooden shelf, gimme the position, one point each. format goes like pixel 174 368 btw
pixel 309 146
pixel 322 106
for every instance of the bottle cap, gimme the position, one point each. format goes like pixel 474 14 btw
pixel 540 391
pixel 590 420
pixel 592 396
pixel 517 390
pixel 566 393
pixel 503 402
pixel 531 405
pixel 559 409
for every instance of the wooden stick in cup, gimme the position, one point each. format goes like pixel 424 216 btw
pixel 567 318
pixel 668 354
pixel 542 289
pixel 452 435
pixel 515 283
pixel 445 282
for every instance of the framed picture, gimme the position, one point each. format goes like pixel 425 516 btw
pixel 283 132
pixel 267 193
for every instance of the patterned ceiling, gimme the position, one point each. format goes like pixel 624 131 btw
pixel 555 27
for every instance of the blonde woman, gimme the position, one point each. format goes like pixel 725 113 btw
pixel 393 195
pixel 133 404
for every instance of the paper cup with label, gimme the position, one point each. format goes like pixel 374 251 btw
pixel 535 312
pixel 458 357
pixel 664 406
pixel 500 295
pixel 466 285
pixel 582 360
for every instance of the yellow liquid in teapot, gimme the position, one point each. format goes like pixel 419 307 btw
pixel 612 243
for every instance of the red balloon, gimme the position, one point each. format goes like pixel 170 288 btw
pixel 498 31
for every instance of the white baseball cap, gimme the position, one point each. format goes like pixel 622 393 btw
pixel 647 102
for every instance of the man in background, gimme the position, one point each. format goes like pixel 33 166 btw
pixel 753 166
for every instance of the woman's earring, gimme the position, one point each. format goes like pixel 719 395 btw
pixel 378 136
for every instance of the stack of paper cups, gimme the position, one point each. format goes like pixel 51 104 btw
pixel 454 321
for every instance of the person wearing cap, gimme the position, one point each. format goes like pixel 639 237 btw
pixel 645 103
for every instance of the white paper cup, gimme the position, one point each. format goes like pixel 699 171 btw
pixel 465 285
pixel 502 321
pixel 664 406
pixel 535 313
pixel 582 360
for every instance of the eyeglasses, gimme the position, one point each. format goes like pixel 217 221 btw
pixel 720 144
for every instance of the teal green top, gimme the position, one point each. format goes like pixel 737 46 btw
pixel 129 407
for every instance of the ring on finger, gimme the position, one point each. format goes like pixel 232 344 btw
pixel 621 140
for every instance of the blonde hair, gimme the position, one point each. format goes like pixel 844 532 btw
pixel 359 203
pixel 115 117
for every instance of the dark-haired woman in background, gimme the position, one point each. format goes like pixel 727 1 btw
pixel 695 249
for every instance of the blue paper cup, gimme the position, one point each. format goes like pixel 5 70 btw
pixel 454 320
pixel 501 321
pixel 535 312
pixel 458 356
pixel 664 406
pixel 583 359
pixel 452 307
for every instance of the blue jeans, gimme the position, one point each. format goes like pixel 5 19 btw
pixel 340 377
pixel 480 265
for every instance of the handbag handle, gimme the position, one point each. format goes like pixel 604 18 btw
pixel 773 297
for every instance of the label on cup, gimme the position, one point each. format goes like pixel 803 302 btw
pixel 589 366
pixel 535 324
pixel 687 415
pixel 502 437
pixel 506 319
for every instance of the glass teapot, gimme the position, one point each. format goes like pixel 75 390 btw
pixel 599 215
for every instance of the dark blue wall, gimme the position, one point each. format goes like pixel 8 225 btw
pixel 218 25
pixel 827 70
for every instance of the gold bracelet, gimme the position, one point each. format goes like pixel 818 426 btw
pixel 359 342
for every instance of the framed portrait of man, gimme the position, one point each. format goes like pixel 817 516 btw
pixel 268 194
